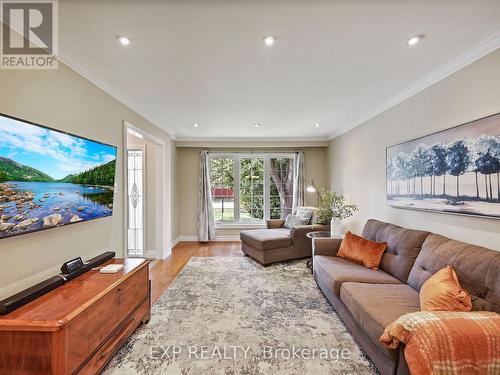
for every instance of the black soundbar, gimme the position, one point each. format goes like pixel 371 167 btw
pixel 98 260
pixel 22 298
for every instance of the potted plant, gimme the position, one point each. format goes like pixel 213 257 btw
pixel 333 208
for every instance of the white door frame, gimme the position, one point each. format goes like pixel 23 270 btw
pixel 162 222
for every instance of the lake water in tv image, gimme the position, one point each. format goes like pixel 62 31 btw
pixel 49 178
pixel 32 206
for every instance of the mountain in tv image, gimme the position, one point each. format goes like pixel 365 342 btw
pixel 50 179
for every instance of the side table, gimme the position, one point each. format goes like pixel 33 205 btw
pixel 318 234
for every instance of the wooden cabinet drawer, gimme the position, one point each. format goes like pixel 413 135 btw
pixel 92 327
pixel 132 292
pixel 113 343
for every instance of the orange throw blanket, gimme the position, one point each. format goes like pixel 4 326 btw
pixel 440 342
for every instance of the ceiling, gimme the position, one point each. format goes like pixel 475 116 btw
pixel 336 63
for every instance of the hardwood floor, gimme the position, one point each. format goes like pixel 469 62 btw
pixel 163 272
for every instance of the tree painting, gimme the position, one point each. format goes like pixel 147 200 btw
pixel 439 166
pixel 421 163
pixel 488 162
pixel 458 160
pixel 456 170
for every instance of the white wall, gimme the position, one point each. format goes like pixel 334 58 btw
pixel 64 100
pixel 357 158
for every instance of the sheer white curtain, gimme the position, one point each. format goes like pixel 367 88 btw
pixel 206 221
pixel 299 180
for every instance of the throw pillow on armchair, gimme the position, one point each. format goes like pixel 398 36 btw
pixel 295 221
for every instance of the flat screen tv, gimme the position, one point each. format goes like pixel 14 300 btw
pixel 49 178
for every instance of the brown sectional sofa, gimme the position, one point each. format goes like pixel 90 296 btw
pixel 277 243
pixel 367 300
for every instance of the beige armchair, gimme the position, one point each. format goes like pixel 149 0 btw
pixel 277 243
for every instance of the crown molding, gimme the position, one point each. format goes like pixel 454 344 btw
pixel 258 139
pixel 67 59
pixel 255 142
pixel 482 49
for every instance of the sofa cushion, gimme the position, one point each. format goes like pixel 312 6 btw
pixel 375 306
pixel 403 246
pixel 266 239
pixel 477 268
pixel 335 271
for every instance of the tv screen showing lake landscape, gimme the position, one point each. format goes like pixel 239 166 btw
pixel 49 178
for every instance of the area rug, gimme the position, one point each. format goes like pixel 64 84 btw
pixel 230 315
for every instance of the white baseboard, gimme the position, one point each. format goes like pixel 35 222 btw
pixel 218 239
pixel 227 239
pixel 162 254
pixel 167 252
pixel 187 239
pixel 174 242
pixel 158 254
pixel 151 254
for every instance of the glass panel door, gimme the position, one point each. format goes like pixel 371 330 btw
pixel 281 187
pixel 252 190
pixel 222 181
pixel 135 170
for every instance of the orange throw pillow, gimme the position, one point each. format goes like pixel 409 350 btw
pixel 362 251
pixel 442 292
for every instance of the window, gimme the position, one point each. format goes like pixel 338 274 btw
pixel 222 181
pixel 135 166
pixel 249 188
pixel 281 187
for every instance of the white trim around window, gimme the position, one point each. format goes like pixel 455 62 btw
pixel 237 223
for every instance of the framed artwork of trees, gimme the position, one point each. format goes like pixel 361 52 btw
pixel 452 171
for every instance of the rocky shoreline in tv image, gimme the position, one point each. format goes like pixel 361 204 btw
pixel 32 206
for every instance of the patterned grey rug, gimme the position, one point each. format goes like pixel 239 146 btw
pixel 230 315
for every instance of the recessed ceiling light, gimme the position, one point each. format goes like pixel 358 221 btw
pixel 269 40
pixel 195 125
pixel 124 40
pixel 256 125
pixel 317 125
pixel 414 40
